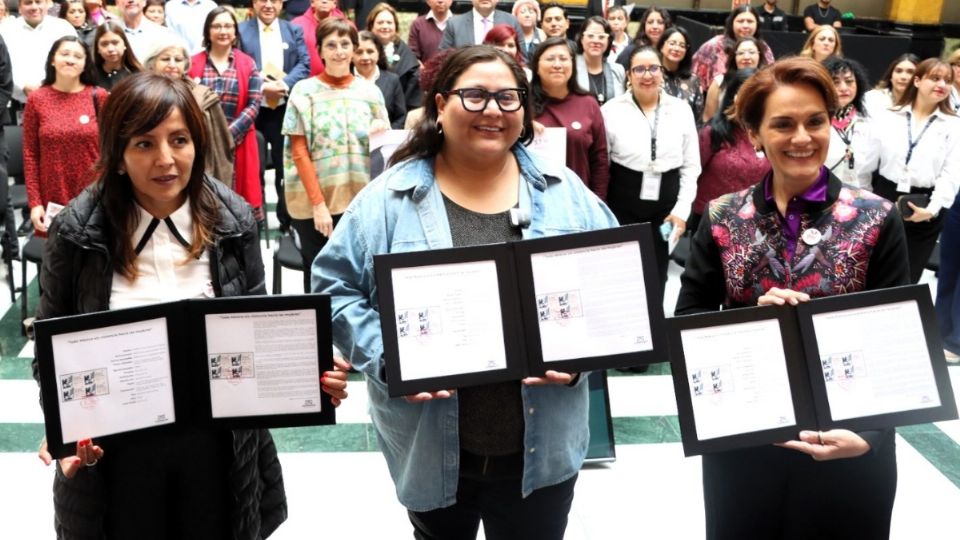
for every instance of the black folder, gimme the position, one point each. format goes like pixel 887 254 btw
pixel 526 310
pixel 119 375
pixel 845 377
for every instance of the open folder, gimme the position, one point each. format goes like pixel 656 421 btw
pixel 754 376
pixel 499 312
pixel 243 362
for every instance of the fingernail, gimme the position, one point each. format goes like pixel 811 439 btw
pixel 84 442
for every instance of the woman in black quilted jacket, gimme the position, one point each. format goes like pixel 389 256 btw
pixel 104 254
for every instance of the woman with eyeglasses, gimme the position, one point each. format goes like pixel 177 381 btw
pixel 558 101
pixel 228 71
pixel 653 23
pixel 915 150
pixel 678 79
pixel 746 53
pixel 506 454
pixel 326 158
pixel 654 155
pixel 710 59
pixel 892 85
pixel 602 79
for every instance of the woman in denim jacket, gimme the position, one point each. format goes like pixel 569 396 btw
pixel 507 454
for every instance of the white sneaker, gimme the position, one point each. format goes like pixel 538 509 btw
pixel 951 357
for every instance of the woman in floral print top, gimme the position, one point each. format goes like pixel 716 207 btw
pixel 796 235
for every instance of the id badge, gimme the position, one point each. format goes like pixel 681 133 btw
pixel 650 188
pixel 903 186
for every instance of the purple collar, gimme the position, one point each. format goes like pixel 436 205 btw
pixel 790 222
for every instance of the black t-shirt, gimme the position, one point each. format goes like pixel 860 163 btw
pixel 772 21
pixel 822 16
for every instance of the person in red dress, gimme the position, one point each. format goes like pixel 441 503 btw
pixel 60 141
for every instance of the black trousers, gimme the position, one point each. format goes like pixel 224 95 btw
pixel 311 242
pixel 170 485
pixel 269 122
pixel 921 237
pixel 505 514
pixel 623 198
pixel 775 493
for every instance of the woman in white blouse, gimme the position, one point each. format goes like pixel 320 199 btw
pixel 654 154
pixel 849 124
pixel 915 148
pixel 892 84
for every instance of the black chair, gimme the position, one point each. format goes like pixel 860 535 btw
pixel 287 255
pixel 16 196
pixel 265 164
pixel 32 253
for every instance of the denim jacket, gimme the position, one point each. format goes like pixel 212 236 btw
pixel 401 211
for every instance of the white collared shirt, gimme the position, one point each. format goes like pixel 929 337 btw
pixel 478 30
pixel 186 19
pixel 678 146
pixel 837 154
pixel 442 25
pixel 145 37
pixel 271 45
pixel 29 46
pixel 165 270
pixel 935 162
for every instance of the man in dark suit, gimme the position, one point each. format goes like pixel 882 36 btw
pixel 471 27
pixel 281 56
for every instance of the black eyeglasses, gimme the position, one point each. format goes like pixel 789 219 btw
pixel 477 99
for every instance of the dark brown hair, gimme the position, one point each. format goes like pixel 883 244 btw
pixel 214 13
pixel 138 104
pixel 128 60
pixel 427 139
pixel 751 101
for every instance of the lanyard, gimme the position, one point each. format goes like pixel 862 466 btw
pixel 911 144
pixel 846 135
pixel 653 129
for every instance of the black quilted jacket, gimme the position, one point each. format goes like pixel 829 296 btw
pixel 76 278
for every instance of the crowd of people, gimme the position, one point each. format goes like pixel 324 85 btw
pixel 155 114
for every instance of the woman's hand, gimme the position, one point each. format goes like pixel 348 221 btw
pixel 679 225
pixel 88 454
pixel 779 297
pixel 427 396
pixel 919 214
pixel 827 445
pixel 322 221
pixel 335 382
pixel 550 377
pixel 36 216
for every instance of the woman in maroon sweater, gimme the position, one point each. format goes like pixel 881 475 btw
pixel 730 162
pixel 60 141
pixel 559 102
